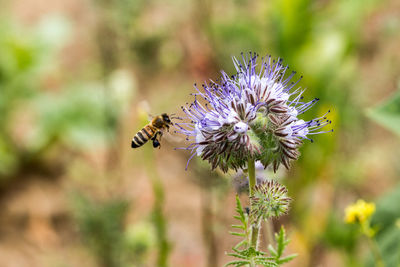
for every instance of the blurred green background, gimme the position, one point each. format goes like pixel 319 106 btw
pixel 79 78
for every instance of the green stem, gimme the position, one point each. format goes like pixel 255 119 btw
pixel 254 236
pixel 159 220
pixel 251 170
pixel 375 251
pixel 372 243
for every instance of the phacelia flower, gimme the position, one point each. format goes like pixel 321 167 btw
pixel 359 212
pixel 270 200
pixel 252 114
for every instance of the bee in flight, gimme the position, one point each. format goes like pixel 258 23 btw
pixel 152 131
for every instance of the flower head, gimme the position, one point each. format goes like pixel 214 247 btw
pixel 270 200
pixel 359 212
pixel 252 114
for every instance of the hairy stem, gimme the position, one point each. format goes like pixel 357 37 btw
pixel 254 236
pixel 251 170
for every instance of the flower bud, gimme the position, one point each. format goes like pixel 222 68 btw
pixel 269 200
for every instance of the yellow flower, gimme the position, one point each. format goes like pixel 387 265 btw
pixel 359 212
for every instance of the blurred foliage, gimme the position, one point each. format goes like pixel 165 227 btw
pixel 102 226
pixel 77 116
pixel 20 60
pixel 139 240
pixel 387 114
pixel 158 218
pixel 52 113
pixel 339 235
pixel 386 221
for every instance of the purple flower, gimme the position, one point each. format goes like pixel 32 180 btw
pixel 252 114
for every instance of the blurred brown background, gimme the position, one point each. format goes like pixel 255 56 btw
pixel 79 78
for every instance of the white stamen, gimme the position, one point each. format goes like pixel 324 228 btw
pixel 240 127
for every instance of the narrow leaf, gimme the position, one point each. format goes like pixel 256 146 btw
pixel 287 259
pixel 237 234
pixel 237 256
pixel 272 250
pixel 237 263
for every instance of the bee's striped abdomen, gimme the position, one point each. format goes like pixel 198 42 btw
pixel 142 136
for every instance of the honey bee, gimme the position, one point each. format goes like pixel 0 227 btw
pixel 152 131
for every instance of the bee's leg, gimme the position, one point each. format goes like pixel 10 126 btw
pixel 160 133
pixel 156 143
pixel 155 136
pixel 167 127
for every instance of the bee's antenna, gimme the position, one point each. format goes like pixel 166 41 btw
pixel 176 118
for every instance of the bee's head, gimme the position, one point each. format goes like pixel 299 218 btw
pixel 166 118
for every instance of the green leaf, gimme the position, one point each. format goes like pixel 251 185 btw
pixel 267 263
pixel 387 113
pixel 280 239
pixel 239 210
pixel 286 259
pixel 272 251
pixel 238 226
pixel 264 258
pixel 242 217
pixel 282 242
pixel 237 263
pixel 237 256
pixel 386 220
pixel 237 234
